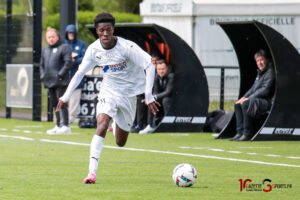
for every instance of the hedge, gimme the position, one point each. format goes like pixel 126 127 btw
pixel 86 17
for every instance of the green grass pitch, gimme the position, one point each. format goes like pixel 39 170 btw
pixel 34 165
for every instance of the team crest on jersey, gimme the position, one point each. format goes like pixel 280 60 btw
pixel 109 56
pixel 114 68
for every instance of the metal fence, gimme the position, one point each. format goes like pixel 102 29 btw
pixel 223 83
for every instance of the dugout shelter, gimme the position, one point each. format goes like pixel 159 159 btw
pixel 189 105
pixel 283 120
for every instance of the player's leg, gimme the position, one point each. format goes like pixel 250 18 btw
pixel 123 119
pixel 106 109
pixel 121 136
pixel 96 146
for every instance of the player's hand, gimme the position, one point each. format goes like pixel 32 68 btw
pixel 60 105
pixel 153 106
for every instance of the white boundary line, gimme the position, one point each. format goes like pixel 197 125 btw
pixel 17 137
pixel 157 151
pixel 175 153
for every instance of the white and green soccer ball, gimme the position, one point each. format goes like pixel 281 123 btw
pixel 184 175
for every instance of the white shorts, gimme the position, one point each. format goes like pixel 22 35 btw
pixel 120 109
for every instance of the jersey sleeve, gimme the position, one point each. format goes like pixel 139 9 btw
pixel 138 56
pixel 141 58
pixel 87 64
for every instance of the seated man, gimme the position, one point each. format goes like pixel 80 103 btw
pixel 257 101
pixel 162 92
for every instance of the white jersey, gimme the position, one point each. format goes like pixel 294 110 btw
pixel 123 68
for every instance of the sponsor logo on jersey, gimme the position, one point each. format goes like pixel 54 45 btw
pixel 114 68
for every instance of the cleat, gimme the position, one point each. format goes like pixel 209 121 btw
pixel 52 131
pixel 147 130
pixel 90 179
pixel 64 130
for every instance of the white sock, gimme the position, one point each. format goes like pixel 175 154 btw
pixel 95 152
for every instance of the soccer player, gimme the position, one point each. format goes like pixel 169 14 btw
pixel 123 63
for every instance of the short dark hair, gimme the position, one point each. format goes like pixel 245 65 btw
pixel 260 52
pixel 104 17
pixel 160 61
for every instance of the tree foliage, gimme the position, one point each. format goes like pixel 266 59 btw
pixel 131 6
pixel 86 17
pixel 52 6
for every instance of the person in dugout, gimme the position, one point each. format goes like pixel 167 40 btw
pixel 257 101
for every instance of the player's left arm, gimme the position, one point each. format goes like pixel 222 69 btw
pixel 150 101
pixel 141 58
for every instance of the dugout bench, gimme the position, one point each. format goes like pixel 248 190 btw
pixel 190 98
pixel 283 120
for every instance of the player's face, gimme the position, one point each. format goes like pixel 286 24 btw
pixel 105 32
pixel 51 37
pixel 161 69
pixel 261 62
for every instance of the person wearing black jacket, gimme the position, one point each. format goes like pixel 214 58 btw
pixel 55 63
pixel 162 92
pixel 257 101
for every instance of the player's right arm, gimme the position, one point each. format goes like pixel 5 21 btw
pixel 87 63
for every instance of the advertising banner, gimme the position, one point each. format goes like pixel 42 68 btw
pixel 19 85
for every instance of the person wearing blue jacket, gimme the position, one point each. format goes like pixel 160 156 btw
pixel 78 50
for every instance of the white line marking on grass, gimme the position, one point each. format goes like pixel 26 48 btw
pixel 234 151
pixel 198 148
pixel 176 153
pixel 215 149
pixel 214 134
pixel 15 130
pixel 38 132
pixel 30 126
pixel 256 147
pixel 272 155
pixel 293 157
pixel 3 129
pixel 27 131
pixel 183 147
pixel 64 142
pixel 252 153
pixel 17 137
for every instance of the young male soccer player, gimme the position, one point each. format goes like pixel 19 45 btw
pixel 123 64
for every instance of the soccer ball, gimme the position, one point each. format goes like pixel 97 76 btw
pixel 184 175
